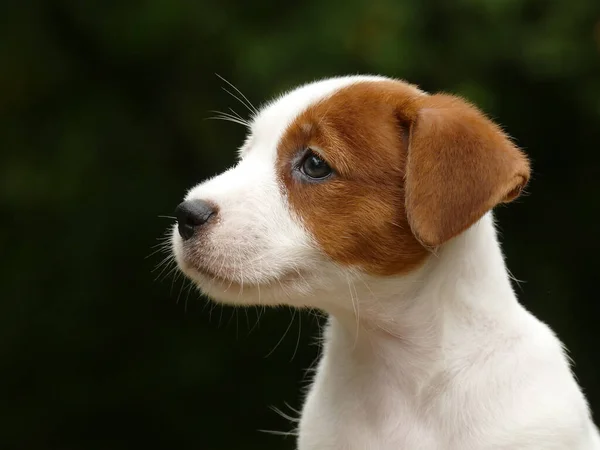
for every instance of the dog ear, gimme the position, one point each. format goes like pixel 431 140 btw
pixel 459 166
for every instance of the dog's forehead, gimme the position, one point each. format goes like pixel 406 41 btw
pixel 270 124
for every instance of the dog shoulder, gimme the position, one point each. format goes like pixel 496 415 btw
pixel 527 396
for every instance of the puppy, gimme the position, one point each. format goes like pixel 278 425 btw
pixel 371 200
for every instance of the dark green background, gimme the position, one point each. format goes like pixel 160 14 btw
pixel 103 107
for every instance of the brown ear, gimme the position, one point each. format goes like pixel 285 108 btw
pixel 460 165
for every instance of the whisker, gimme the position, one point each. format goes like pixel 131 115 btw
pixel 516 280
pixel 221 315
pixel 232 117
pixel 210 311
pixel 280 433
pixel 191 285
pixel 161 248
pixel 247 318
pixel 284 334
pixel 233 308
pixel 164 264
pixel 237 324
pixel 248 103
pixel 258 314
pixel 284 415
pixel 228 119
pixel 180 290
pixel 249 107
pixel 236 114
pixel 354 306
pixel 177 275
pixel 170 272
pixel 206 303
pixel 292 409
pixel 299 334
pixel 166 243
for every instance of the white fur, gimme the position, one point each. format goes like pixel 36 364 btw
pixel 442 359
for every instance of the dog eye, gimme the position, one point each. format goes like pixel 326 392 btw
pixel 315 167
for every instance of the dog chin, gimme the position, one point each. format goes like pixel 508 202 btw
pixel 288 288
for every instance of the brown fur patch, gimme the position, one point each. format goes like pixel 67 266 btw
pixel 460 165
pixel 388 195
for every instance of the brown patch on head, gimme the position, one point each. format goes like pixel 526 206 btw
pixel 410 170
pixel 357 216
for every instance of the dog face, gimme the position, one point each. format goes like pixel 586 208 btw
pixel 343 178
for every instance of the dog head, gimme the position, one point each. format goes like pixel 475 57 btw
pixel 354 176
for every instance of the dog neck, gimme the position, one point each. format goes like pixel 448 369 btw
pixel 414 324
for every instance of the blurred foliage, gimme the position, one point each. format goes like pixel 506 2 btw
pixel 103 108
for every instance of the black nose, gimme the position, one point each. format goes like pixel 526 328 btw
pixel 192 215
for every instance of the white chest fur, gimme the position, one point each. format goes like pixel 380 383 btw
pixel 457 364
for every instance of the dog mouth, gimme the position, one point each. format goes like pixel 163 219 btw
pixel 202 274
pixel 217 278
pixel 223 274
